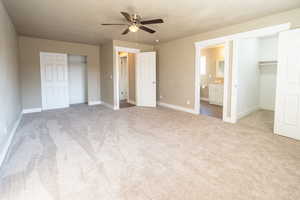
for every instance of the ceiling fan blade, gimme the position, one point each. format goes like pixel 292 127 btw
pixel 144 28
pixel 125 32
pixel 127 16
pixel 113 24
pixel 152 21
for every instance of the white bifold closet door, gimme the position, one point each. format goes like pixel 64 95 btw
pixel 287 111
pixel 77 79
pixel 146 79
pixel 54 80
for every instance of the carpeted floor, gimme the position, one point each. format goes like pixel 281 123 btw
pixel 94 153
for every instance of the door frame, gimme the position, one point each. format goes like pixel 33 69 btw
pixel 116 72
pixel 271 30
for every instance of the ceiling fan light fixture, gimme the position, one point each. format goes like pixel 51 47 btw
pixel 133 28
pixel 134 23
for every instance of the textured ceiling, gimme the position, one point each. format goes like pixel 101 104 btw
pixel 79 20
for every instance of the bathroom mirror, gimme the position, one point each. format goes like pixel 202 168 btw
pixel 220 68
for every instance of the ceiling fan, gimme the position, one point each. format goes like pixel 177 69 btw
pixel 135 22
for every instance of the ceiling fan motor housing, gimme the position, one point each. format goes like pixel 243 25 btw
pixel 136 19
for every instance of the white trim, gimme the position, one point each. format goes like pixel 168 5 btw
pixel 234 82
pixel 8 143
pixel 247 112
pixel 226 82
pixel 31 110
pixel 204 99
pixel 108 105
pixel 197 79
pixel 127 50
pixel 271 30
pixel 175 107
pixel 92 103
pixel 116 73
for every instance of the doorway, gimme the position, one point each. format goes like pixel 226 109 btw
pixel 142 80
pixel 126 79
pixel 212 80
pixel 257 77
pixel 77 69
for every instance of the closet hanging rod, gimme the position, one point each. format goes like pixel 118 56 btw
pixel 263 63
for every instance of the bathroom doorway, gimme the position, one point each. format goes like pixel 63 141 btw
pixel 212 80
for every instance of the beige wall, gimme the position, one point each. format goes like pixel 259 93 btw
pixel 131 73
pixel 107 90
pixel 176 62
pixel 30 49
pixel 212 56
pixel 10 99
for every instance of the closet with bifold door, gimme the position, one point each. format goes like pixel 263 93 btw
pixel 63 80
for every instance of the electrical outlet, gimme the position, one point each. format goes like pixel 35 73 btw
pixel 188 102
pixel 161 97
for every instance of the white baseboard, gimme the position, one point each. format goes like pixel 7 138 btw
pixel 247 112
pixel 31 110
pixel 175 107
pixel 92 103
pixel 131 102
pixel 7 144
pixel 267 108
pixel 204 99
pixel 108 105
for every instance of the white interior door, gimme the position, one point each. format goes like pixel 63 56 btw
pixel 77 79
pixel 54 80
pixel 146 79
pixel 287 111
pixel 123 77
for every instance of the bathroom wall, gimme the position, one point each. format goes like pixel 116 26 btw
pixel 212 55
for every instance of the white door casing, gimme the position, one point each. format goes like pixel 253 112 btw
pixel 116 72
pixel 123 78
pixel 77 79
pixel 287 110
pixel 54 80
pixel 146 79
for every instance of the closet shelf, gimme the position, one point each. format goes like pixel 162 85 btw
pixel 267 63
